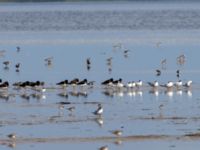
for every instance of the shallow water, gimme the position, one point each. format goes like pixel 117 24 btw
pixel 147 119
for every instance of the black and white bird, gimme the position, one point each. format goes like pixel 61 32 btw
pixel 17 66
pixel 99 110
pixel 74 82
pixel 6 63
pixel 126 53
pixel 108 82
pixel 90 83
pixel 153 84
pixel 4 85
pixel 63 83
pixel 118 83
pixel 188 83
pixel 131 84
pixel 169 84
pixel 139 83
pixel 179 83
pixel 48 61
pixel 158 72
pixel 109 61
pixel 178 73
pixel 12 136
pixel 88 61
pixel 84 82
pixel 18 49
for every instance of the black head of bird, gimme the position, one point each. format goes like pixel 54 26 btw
pixel 66 81
pixel 37 83
pixel 85 80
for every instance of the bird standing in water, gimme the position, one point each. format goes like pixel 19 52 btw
pixel 17 66
pixel 99 110
pixel 158 72
pixel 88 63
pixel 18 49
pixel 6 63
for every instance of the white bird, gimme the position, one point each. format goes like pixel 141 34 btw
pixel 188 84
pixel 169 84
pixel 139 83
pixel 178 83
pixel 115 82
pixel 99 110
pixel 131 84
pixel 119 83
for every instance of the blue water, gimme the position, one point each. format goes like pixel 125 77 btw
pixel 73 32
pixel 99 16
pixel 104 16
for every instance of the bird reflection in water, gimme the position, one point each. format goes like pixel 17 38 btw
pixel 99 121
pixel 122 92
pixel 169 93
pixel 154 92
pixel 189 93
pixel 179 92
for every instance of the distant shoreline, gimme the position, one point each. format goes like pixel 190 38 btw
pixel 96 0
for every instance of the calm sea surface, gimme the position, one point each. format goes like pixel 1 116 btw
pixel 69 33
pixel 99 16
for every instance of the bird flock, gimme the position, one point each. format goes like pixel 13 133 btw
pixel 109 86
pixel 80 87
pixel 109 83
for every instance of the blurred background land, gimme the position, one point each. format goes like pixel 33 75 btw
pixel 94 0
